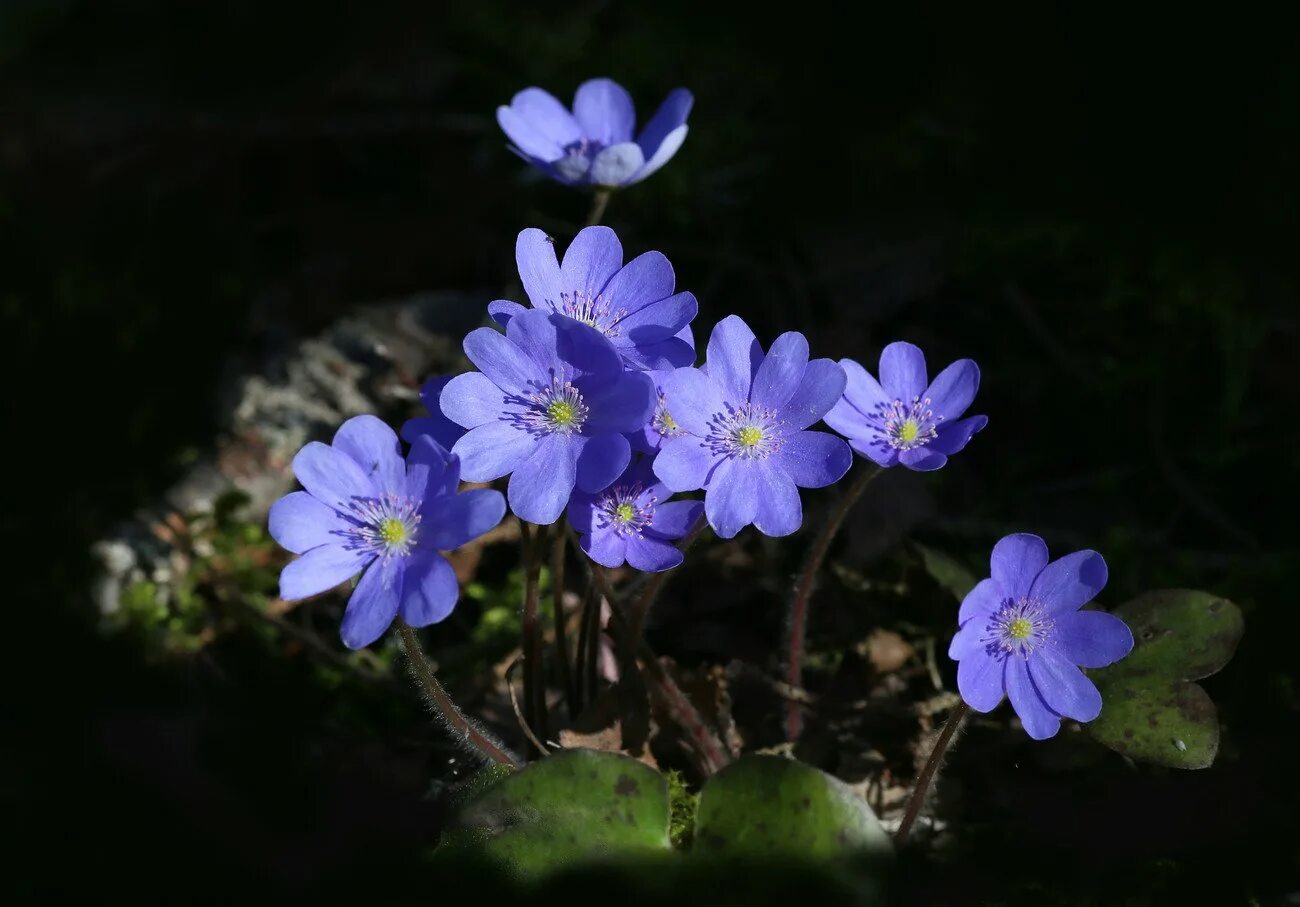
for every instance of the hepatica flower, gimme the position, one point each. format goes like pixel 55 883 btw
pixel 903 419
pixel 662 425
pixel 1023 636
pixel 366 510
pixel 548 406
pixel 593 145
pixel 743 422
pixel 633 521
pixel 435 425
pixel 632 305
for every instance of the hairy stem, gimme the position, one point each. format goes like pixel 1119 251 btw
pixel 796 624
pixel 467 732
pixel 588 646
pixel 558 548
pixel 534 686
pixel 599 200
pixel 656 582
pixel 946 736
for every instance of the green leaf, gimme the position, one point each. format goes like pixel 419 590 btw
pixel 573 806
pixel 1152 711
pixel 769 807
pixel 946 571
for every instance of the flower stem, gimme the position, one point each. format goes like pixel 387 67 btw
pixel 947 734
pixel 467 732
pixel 656 582
pixel 558 548
pixel 534 688
pixel 796 624
pixel 599 199
pixel 588 646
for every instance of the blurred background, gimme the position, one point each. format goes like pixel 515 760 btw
pixel 1101 210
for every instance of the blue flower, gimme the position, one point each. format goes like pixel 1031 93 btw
pixel 365 509
pixel 901 419
pixel 435 425
pixel 633 521
pixel 549 407
pixel 593 145
pixel 662 426
pixel 743 419
pixel 632 304
pixel 1022 635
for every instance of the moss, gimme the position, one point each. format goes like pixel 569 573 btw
pixel 683 805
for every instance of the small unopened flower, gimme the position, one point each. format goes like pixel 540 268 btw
pixel 633 305
pixel 435 425
pixel 903 419
pixel 594 145
pixel 633 521
pixel 364 508
pixel 1022 635
pixel 743 421
pixel 549 407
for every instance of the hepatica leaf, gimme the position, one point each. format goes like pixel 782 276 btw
pixel 946 571
pixel 574 806
pixel 1153 711
pixel 769 807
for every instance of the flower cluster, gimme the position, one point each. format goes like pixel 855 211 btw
pixel 588 397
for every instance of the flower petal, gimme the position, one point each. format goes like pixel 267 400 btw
pixel 548 118
pixel 874 448
pixel 645 279
pixel 471 400
pixel 669 147
pixel 953 389
pixel 532 143
pixel 319 570
pixel 1039 720
pixel 602 460
pixel 968 642
pixel 731 502
pixel 605 547
pixel 1070 582
pixel 861 389
pixel 539 270
pixel 615 165
pixel 684 464
pixel 452 520
pixel 816 392
pixel 814 459
pixel 372 444
pixel 585 351
pixel 902 371
pixel 505 364
pixel 331 476
pixel 594 256
pixel 980 681
pixel 1016 562
pixel 658 321
pixel 693 399
pixel 674 519
pixel 664 355
pixel 980 602
pixel 429 587
pixel 668 119
pixel 1065 689
pixel 781 372
pixel 780 511
pixel 490 451
pixel 373 604
pixel 624 404
pixel 952 436
pixel 652 555
pixel 299 522
pixel 502 310
pixel 604 110
pixel 540 486
pixel 431 470
pixel 922 459
pixel 733 356
pixel 436 424
pixel 1093 639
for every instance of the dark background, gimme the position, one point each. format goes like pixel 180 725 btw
pixel 1099 209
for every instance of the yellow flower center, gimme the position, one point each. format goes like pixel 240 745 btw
pixel 749 436
pixel 393 531
pixel 908 431
pixel 625 512
pixel 561 412
pixel 1020 628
